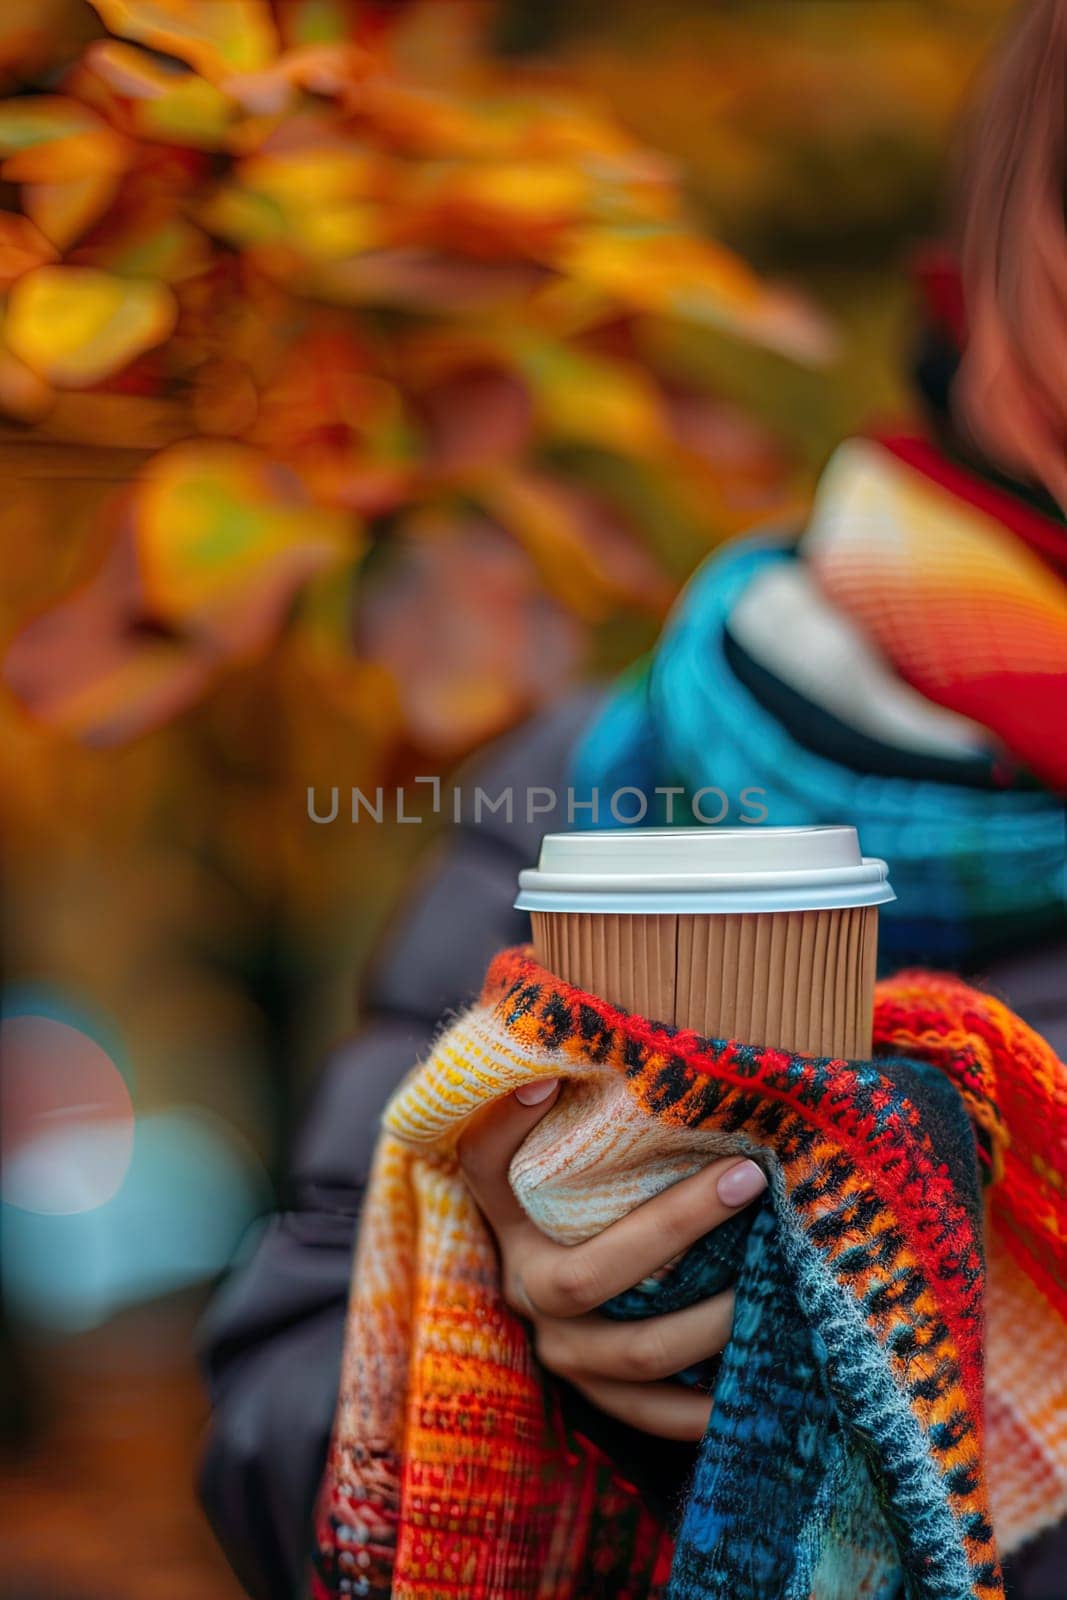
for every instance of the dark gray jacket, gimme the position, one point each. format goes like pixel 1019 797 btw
pixel 272 1341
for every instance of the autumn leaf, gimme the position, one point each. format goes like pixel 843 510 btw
pixel 321 200
pixel 63 211
pixel 584 553
pixel 75 326
pixel 580 396
pixel 90 668
pixel 458 616
pixel 679 276
pixel 520 191
pixel 67 160
pixel 225 538
pixel 216 38
pixel 212 546
pixel 22 247
pixel 427 281
pixel 476 416
pixel 158 101
pixel 24 396
pixel 33 120
pixel 317 22
pixel 162 247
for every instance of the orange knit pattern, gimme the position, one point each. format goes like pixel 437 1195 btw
pixel 1016 1087
pixel 966 612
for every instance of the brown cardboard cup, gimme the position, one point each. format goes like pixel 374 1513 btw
pixel 728 947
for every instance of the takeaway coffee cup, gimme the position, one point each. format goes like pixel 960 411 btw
pixel 768 935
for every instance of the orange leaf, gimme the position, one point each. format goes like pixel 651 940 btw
pixel 63 211
pixel 22 246
pixel 23 395
pixel 88 668
pixel 519 191
pixel 83 154
pixel 461 684
pixel 584 555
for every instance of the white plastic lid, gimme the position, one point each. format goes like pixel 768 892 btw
pixel 651 871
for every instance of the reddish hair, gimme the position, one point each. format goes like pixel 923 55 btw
pixel 1011 390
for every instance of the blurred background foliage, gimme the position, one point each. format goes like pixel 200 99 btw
pixel 368 374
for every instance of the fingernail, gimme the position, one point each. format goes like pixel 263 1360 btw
pixel 741 1184
pixel 531 1094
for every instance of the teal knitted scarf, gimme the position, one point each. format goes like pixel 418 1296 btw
pixel 975 869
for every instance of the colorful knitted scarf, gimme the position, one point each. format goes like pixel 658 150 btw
pixel 847 1454
pixel 977 870
pixel 962 594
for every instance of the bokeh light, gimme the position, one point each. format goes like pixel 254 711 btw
pixel 67 1116
pixel 102 1207
pixel 190 1192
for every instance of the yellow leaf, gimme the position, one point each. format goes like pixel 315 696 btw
pixel 192 112
pixel 312 200
pixel 525 190
pixel 611 404
pixel 336 233
pixel 226 537
pixel 693 280
pixel 180 108
pixel 216 37
pixel 243 217
pixel 75 326
pixel 305 179
pixel 653 270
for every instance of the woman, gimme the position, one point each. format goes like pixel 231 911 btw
pixel 903 666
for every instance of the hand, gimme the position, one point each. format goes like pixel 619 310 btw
pixel 619 1366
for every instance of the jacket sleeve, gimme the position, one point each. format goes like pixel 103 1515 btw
pixel 270 1344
